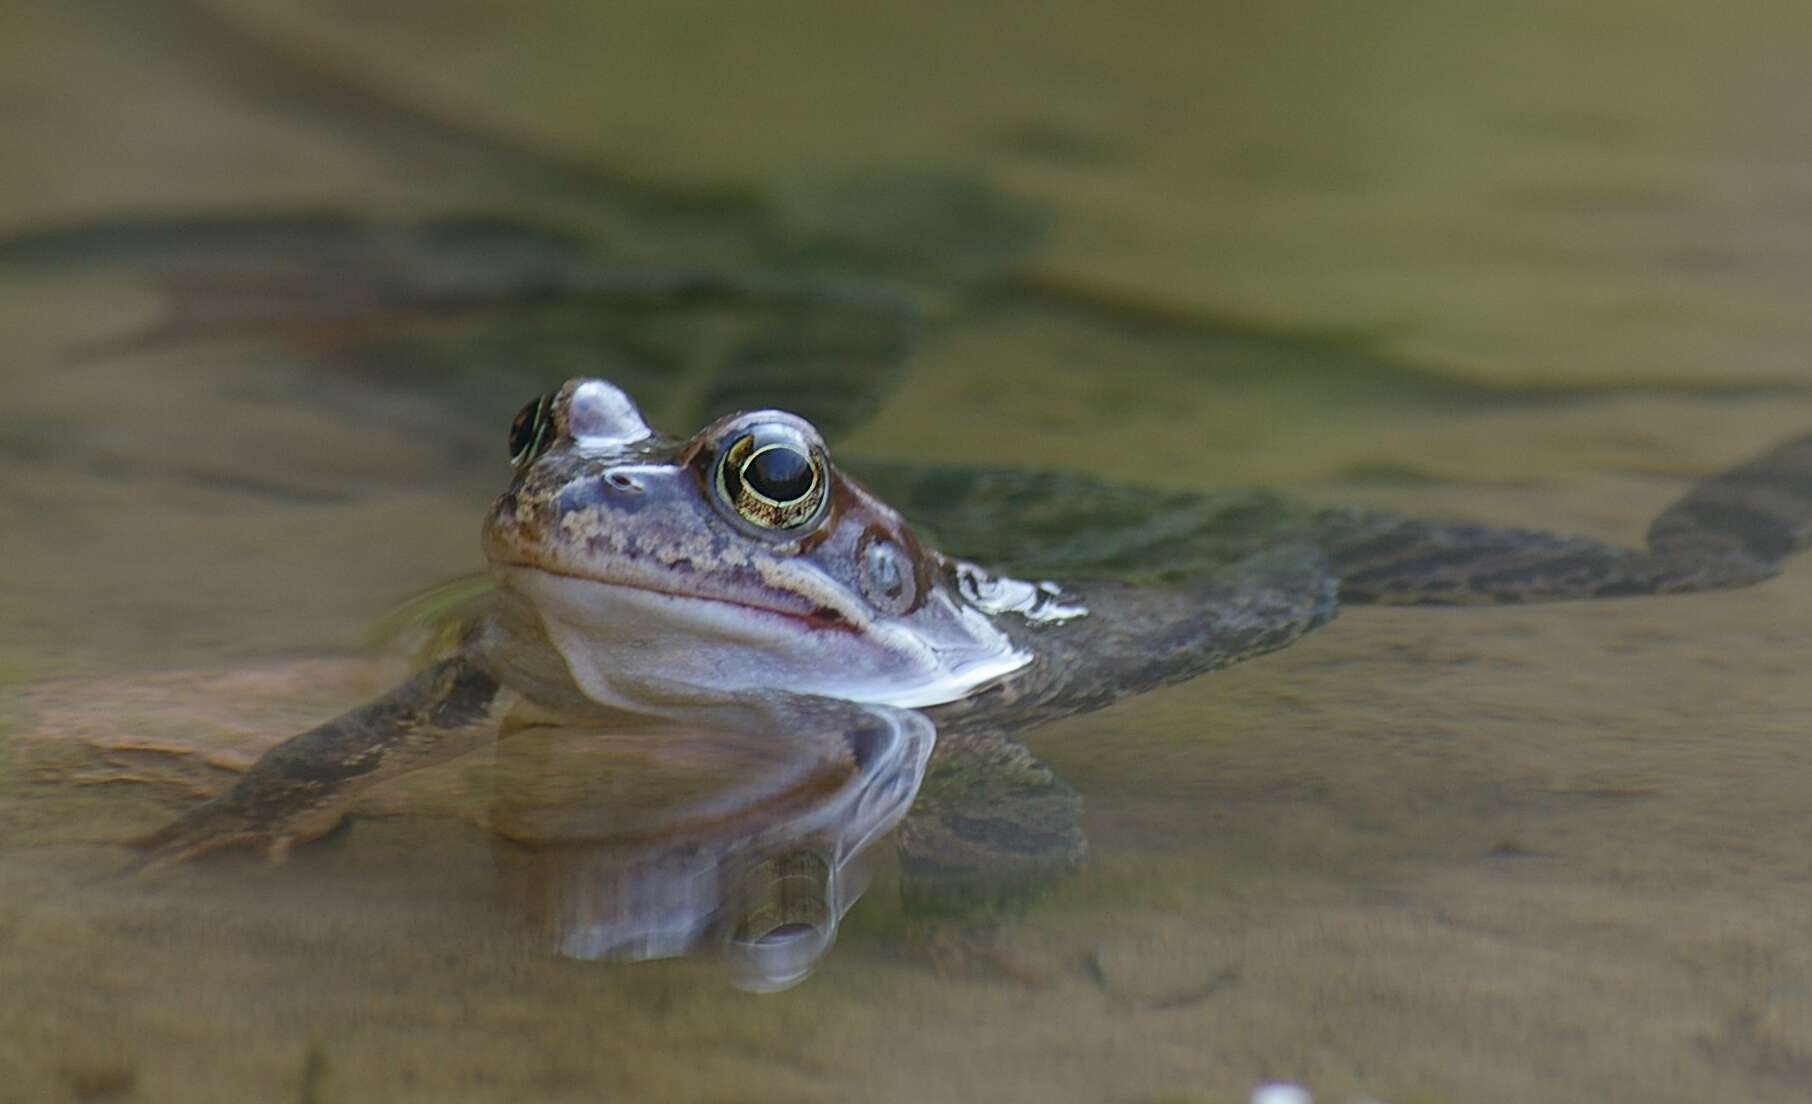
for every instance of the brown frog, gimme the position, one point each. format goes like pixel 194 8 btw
pixel 737 582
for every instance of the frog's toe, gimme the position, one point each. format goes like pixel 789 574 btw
pixel 218 827
pixel 179 842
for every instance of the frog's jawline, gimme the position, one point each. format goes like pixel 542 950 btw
pixel 879 662
pixel 821 618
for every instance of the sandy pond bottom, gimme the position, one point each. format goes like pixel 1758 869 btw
pixel 1522 854
pixel 1528 854
pixel 1490 855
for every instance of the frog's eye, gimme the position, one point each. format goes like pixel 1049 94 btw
pixel 532 430
pixel 772 478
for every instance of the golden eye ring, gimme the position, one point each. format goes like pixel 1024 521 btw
pixel 771 478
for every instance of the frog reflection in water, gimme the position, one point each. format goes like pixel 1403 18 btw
pixel 737 582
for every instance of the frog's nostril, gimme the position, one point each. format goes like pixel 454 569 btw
pixel 612 491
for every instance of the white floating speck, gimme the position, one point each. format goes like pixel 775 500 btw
pixel 1281 1092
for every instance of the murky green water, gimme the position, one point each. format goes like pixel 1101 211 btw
pixel 1528 264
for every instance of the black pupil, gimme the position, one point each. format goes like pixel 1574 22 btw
pixel 779 474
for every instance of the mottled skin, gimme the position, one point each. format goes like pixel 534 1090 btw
pixel 600 503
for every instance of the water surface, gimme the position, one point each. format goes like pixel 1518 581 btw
pixel 1528 265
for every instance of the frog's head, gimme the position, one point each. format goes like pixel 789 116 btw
pixel 738 559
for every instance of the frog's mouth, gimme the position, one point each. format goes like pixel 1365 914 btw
pixel 822 616
pixel 621 637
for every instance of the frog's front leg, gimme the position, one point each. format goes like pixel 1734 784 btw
pixel 301 789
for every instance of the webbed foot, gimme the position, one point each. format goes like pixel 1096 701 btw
pixel 1733 529
pixel 1760 511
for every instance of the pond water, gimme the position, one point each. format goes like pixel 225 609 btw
pixel 1529 264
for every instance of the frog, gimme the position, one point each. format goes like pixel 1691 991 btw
pixel 738 581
